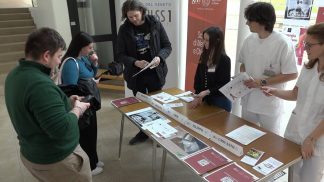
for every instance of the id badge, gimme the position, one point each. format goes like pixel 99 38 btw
pixel 211 69
pixel 269 71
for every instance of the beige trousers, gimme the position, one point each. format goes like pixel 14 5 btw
pixel 74 168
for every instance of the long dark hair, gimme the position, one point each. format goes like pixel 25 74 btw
pixel 216 46
pixel 317 32
pixel 79 41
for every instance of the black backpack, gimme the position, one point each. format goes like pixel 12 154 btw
pixel 115 68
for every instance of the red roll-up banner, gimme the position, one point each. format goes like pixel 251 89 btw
pixel 320 15
pixel 201 15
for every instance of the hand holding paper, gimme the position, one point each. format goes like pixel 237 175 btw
pixel 155 62
pixel 144 65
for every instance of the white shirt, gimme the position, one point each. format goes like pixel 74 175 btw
pixel 309 110
pixel 274 54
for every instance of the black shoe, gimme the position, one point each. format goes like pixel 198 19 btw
pixel 139 138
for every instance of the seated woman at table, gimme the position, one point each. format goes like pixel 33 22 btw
pixel 306 123
pixel 213 71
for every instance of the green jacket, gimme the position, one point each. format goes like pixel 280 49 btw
pixel 39 111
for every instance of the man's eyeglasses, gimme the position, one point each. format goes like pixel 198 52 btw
pixel 308 45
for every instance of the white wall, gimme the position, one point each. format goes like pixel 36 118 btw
pixel 53 14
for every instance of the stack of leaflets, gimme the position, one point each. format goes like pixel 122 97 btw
pixel 206 160
pixel 164 97
pixel 230 173
pixel 182 143
pixel 267 166
pixel 186 96
pixel 252 157
pixel 124 101
pixel 160 129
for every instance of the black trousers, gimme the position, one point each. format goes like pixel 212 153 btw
pixel 146 84
pixel 88 141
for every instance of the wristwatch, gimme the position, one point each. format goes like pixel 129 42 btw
pixel 263 82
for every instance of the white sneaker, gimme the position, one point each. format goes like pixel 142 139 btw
pixel 100 164
pixel 97 171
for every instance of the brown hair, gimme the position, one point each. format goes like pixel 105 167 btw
pixel 317 32
pixel 133 5
pixel 42 40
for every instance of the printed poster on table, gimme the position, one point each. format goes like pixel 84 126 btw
pixel 231 172
pixel 145 116
pixel 207 160
pixel 201 15
pixel 124 101
pixel 182 143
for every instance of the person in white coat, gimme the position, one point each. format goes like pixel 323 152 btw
pixel 269 58
pixel 306 124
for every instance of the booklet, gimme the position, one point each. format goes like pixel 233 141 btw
pixel 236 89
pixel 182 143
pixel 252 156
pixel 164 97
pixel 245 134
pixel 267 166
pixel 207 160
pixel 124 101
pixel 187 98
pixel 230 173
pixel 160 128
pixel 145 116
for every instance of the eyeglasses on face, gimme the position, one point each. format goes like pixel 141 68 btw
pixel 308 45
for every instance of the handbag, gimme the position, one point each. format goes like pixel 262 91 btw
pixel 115 68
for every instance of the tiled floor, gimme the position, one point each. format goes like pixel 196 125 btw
pixel 135 165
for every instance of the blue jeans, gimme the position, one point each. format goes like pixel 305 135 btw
pixel 221 102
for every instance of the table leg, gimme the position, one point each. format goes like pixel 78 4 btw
pixel 290 174
pixel 121 135
pixel 154 161
pixel 163 165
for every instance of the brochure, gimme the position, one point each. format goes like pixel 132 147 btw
pixel 164 97
pixel 236 89
pixel 124 101
pixel 187 98
pixel 267 166
pixel 230 173
pixel 182 143
pixel 207 160
pixel 160 129
pixel 144 116
pixel 172 105
pixel 252 156
pixel 245 134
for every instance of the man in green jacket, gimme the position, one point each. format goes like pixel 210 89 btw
pixel 45 119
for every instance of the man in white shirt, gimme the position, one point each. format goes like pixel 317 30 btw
pixel 269 58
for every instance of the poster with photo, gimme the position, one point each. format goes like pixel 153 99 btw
pixel 145 116
pixel 183 143
pixel 298 9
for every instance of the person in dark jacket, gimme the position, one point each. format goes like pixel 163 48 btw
pixel 213 71
pixel 142 40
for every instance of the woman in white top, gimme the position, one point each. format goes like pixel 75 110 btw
pixel 306 124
